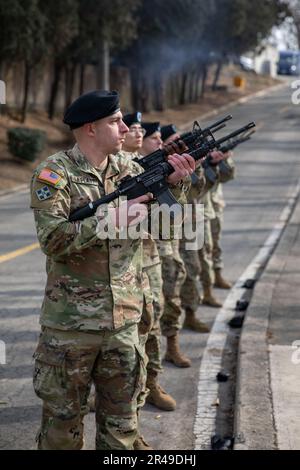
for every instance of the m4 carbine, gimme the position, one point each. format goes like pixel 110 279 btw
pixel 153 180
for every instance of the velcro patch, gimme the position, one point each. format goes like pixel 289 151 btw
pixel 43 193
pixel 49 176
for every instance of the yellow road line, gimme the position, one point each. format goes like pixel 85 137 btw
pixel 19 252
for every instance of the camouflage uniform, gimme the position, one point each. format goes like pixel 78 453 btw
pixel 227 172
pixel 93 301
pixel 218 203
pixel 190 292
pixel 173 274
pixel 149 327
pixel 205 254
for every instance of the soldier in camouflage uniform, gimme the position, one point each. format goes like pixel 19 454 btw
pixel 208 273
pixel 152 268
pixel 95 288
pixel 218 202
pixel 173 275
pixel 188 297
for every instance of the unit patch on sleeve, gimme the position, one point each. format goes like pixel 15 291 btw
pixel 43 193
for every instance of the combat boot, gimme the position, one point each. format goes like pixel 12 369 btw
pixel 174 354
pixel 209 299
pixel 192 323
pixel 141 444
pixel 158 396
pixel 220 281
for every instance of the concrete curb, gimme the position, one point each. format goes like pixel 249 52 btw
pixel 242 100
pixel 254 418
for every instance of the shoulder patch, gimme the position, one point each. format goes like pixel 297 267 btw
pixel 49 176
pixel 43 193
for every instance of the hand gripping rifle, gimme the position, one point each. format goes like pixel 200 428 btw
pixel 185 143
pixel 231 144
pixel 153 180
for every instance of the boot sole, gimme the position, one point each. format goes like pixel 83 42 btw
pixel 160 407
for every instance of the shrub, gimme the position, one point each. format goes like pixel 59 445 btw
pixel 26 143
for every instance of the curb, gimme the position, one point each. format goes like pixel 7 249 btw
pixel 254 426
pixel 242 100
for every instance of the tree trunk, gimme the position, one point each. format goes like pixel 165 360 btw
pixel 81 78
pixel 192 86
pixel 70 73
pixel 203 81
pixel 144 94
pixel 27 77
pixel 54 89
pixel 103 78
pixel 217 74
pixel 182 95
pixel 159 92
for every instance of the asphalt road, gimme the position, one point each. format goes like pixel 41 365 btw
pixel 268 167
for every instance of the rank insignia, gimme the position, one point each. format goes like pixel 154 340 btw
pixel 43 193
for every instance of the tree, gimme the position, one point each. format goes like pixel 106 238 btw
pixel 168 40
pixel 61 28
pixel 22 38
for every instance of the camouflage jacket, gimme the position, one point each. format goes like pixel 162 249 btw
pixel 93 283
pixel 226 173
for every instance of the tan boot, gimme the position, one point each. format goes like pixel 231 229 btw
pixel 209 299
pixel 158 396
pixel 192 323
pixel 141 444
pixel 220 281
pixel 174 354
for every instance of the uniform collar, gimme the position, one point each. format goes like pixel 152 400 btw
pixel 79 158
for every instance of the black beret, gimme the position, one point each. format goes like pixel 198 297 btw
pixel 90 107
pixel 167 131
pixel 132 118
pixel 150 128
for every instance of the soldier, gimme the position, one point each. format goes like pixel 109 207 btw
pixel 95 285
pixel 173 271
pixel 152 268
pixel 218 203
pixel 188 292
pixel 209 255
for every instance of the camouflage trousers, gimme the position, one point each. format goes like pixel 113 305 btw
pixel 205 257
pixel 216 229
pixel 66 363
pixel 149 328
pixel 173 274
pixel 153 347
pixel 190 291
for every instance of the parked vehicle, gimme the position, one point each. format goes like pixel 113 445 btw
pixel 289 63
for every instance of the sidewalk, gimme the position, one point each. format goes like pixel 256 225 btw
pixel 268 382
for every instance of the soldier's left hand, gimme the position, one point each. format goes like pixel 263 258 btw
pixel 184 165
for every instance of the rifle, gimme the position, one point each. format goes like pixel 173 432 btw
pixel 191 140
pixel 231 145
pixel 153 180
